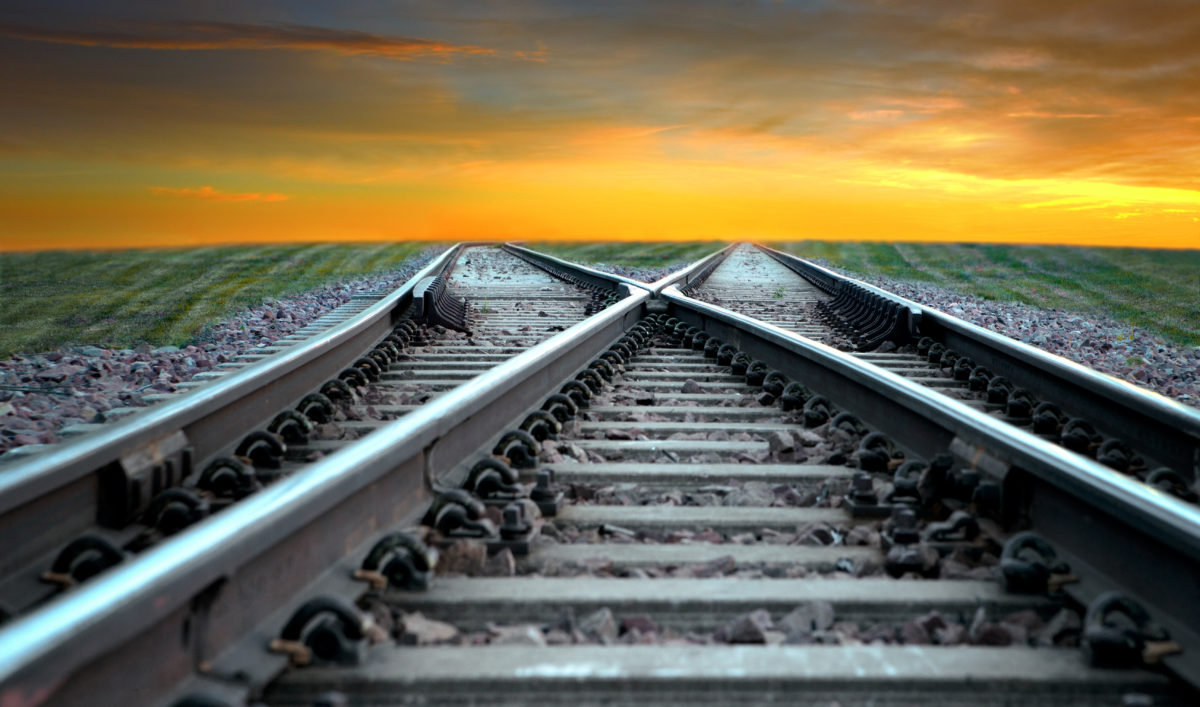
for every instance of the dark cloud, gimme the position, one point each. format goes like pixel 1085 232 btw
pixel 995 89
pixel 195 36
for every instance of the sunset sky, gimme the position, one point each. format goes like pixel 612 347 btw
pixel 185 123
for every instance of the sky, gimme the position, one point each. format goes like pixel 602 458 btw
pixel 140 124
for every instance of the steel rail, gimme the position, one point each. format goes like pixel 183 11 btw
pixel 1120 532
pixel 61 489
pixel 591 275
pixel 684 276
pixel 1163 428
pixel 695 273
pixel 230 573
pixel 244 563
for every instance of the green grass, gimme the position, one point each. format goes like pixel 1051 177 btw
pixel 122 298
pixel 53 299
pixel 636 254
pixel 1156 290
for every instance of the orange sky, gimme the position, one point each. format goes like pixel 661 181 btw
pixel 152 123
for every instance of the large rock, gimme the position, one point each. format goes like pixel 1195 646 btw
pixel 1063 629
pixel 639 622
pixel 808 617
pixel 502 564
pixel 781 443
pixel 715 568
pixel 747 628
pixel 416 630
pixel 516 636
pixel 59 373
pixel 600 626
pixel 463 557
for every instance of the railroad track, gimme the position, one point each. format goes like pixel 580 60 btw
pixel 72 510
pixel 1137 433
pixel 622 512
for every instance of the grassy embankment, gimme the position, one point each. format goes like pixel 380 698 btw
pixel 122 298
pixel 161 297
pixel 1156 290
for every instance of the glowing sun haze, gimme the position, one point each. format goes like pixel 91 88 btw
pixel 156 123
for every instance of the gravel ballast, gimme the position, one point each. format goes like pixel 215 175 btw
pixel 42 393
pixel 646 275
pixel 1096 341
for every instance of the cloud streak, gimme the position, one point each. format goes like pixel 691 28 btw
pixel 211 194
pixel 992 119
pixel 210 36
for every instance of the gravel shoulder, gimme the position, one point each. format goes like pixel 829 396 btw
pixel 41 393
pixel 1101 343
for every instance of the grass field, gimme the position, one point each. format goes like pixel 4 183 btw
pixel 122 298
pixel 1157 290
pixel 53 299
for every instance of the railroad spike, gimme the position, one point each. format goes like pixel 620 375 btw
pixel 264 449
pixel 542 425
pixel 817 411
pixel 175 509
pixel 229 478
pixel 399 561
pixel 457 514
pixel 338 389
pixel 756 373
pixel 1132 642
pixel 518 447
pixel 493 481
pixel 740 363
pixel 774 383
pixel 959 526
pixel 1028 563
pixel 316 407
pixel 878 453
pixel 563 407
pixel 291 426
pixel 325 629
pixel 81 559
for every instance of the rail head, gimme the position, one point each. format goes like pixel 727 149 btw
pixel 595 277
pixel 696 271
pixel 42 651
pixel 1114 492
pixel 26 480
pixel 1118 532
pixel 1148 404
pixel 693 275
pixel 830 281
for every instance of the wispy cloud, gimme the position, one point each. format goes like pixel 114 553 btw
pixel 1054 116
pixel 215 195
pixel 196 36
pixel 876 115
pixel 991 118
pixel 1011 59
